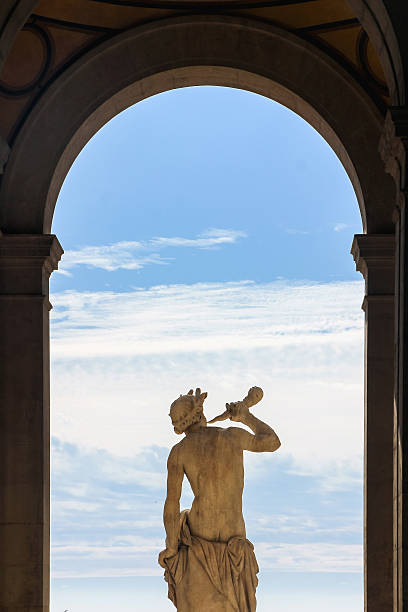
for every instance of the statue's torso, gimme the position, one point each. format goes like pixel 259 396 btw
pixel 213 465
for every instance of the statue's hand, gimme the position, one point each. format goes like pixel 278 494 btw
pixel 237 411
pixel 166 554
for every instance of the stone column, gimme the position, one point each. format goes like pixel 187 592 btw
pixel 394 148
pixel 26 262
pixel 374 257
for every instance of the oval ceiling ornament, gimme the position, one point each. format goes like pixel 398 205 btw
pixel 37 46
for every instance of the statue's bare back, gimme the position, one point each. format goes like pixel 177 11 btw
pixel 209 564
pixel 213 464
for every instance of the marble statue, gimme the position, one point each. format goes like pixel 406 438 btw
pixel 209 564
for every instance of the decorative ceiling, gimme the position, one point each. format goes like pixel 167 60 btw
pixel 59 32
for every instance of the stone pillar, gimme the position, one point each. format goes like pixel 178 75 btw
pixel 26 262
pixel 393 148
pixel 374 257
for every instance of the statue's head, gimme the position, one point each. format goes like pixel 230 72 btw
pixel 187 410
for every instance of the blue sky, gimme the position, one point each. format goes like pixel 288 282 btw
pixel 206 235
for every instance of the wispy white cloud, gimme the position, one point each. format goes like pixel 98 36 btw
pixel 118 360
pixel 121 255
pixel 301 524
pixel 311 557
pixel 204 317
pixel 339 227
pixel 124 560
pixel 211 238
pixel 134 255
pixel 136 556
pixel 69 506
pixel 107 572
pixel 102 550
pixel 131 354
pixel 117 526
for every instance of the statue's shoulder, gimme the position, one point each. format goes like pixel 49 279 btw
pixel 177 446
pixel 230 431
pixel 175 450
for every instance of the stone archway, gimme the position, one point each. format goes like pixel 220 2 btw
pixel 198 50
pixel 192 51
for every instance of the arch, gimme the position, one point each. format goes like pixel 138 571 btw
pixel 376 16
pixel 377 22
pixel 185 51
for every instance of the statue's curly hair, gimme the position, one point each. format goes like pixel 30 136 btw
pixel 192 412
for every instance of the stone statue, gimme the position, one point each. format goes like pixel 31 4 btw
pixel 209 564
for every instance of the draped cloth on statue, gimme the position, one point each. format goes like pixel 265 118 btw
pixel 206 576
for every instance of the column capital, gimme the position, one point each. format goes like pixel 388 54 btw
pixel 374 255
pixel 30 249
pixel 26 262
pixel 373 250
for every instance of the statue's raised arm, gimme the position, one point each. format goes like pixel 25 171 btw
pixel 264 438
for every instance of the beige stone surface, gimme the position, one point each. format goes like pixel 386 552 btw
pixel 209 563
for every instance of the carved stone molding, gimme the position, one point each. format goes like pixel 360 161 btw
pixel 393 147
pixel 372 250
pixel 30 250
pixel 26 262
pixel 374 255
